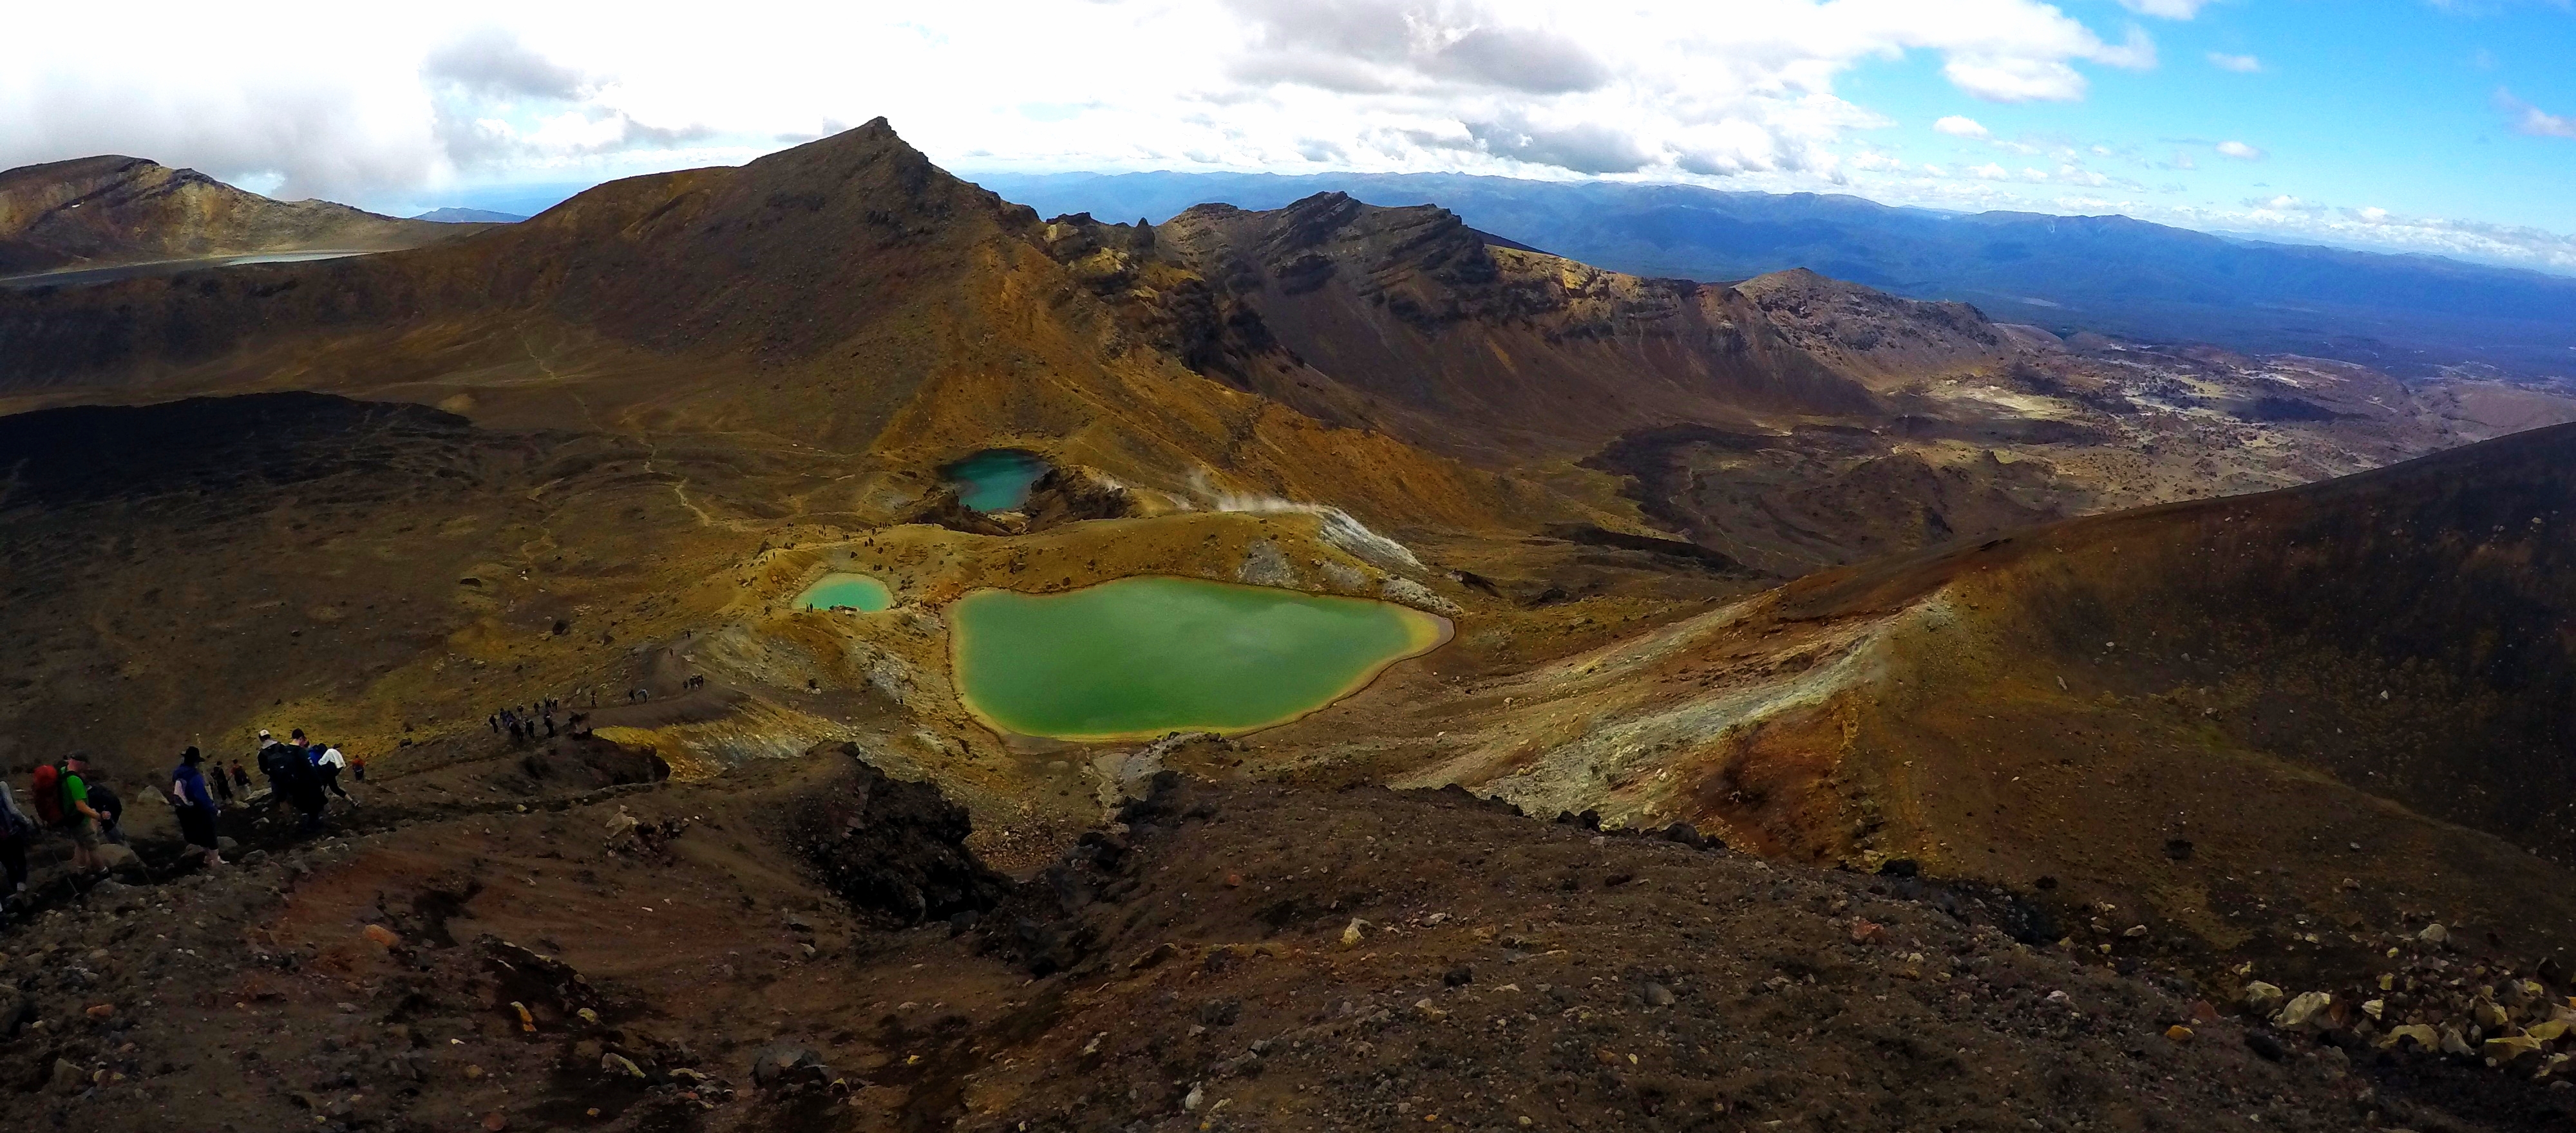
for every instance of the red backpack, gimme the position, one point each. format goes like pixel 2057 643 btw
pixel 49 794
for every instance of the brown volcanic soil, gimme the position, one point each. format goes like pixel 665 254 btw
pixel 2269 727
pixel 1190 972
pixel 103 211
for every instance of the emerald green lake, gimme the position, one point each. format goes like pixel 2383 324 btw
pixel 995 479
pixel 834 590
pixel 1141 657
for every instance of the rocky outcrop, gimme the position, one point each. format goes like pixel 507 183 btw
pixel 895 851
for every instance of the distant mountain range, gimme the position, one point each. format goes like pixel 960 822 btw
pixel 470 216
pixel 2408 314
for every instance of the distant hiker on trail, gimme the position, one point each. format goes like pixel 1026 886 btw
pixel 220 782
pixel 329 764
pixel 358 767
pixel 241 778
pixel 194 805
pixel 17 832
pixel 494 720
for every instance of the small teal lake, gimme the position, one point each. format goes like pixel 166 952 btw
pixel 995 479
pixel 857 591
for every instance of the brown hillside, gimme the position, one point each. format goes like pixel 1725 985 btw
pixel 1464 344
pixel 103 211
pixel 845 294
pixel 2249 719
pixel 1873 335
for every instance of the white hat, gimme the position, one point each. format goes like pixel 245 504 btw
pixel 263 733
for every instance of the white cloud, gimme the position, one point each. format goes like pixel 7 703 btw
pixel 1959 127
pixel 2282 203
pixel 2241 64
pixel 2240 151
pixel 2529 119
pixel 371 102
pixel 2166 9
pixel 1988 172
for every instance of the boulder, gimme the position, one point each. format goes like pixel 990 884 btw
pixel 2511 1047
pixel 2308 1006
pixel 2453 1044
pixel 786 1064
pixel 2424 1036
pixel 2261 998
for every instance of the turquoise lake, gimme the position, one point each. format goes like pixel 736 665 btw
pixel 995 479
pixel 855 590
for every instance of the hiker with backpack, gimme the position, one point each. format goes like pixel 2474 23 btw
pixel 110 808
pixel 303 784
pixel 62 803
pixel 194 804
pixel 17 832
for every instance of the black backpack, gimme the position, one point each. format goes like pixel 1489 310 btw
pixel 105 802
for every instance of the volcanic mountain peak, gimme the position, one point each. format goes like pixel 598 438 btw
pixel 110 209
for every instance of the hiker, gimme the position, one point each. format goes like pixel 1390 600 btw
pixel 66 788
pixel 550 725
pixel 110 808
pixel 241 778
pixel 494 720
pixel 221 783
pixel 304 784
pixel 358 767
pixel 194 805
pixel 17 832
pixel 329 764
pixel 272 759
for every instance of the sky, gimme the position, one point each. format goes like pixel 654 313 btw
pixel 2440 126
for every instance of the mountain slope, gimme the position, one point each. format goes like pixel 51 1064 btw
pixel 1467 343
pixel 2205 712
pixel 104 211
pixel 845 293
pixel 2107 273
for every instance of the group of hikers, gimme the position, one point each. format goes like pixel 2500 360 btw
pixel 521 722
pixel 302 774
pixel 68 798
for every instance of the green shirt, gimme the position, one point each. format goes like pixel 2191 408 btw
pixel 75 792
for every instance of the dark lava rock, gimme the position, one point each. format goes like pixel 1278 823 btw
pixel 893 849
